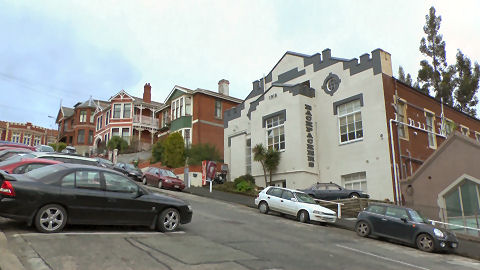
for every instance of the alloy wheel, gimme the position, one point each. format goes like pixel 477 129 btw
pixel 263 207
pixel 303 217
pixel 425 242
pixel 169 220
pixel 51 218
pixel 363 229
pixel 159 184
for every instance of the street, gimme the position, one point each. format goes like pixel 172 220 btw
pixel 220 236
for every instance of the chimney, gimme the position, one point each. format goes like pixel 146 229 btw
pixel 147 93
pixel 223 87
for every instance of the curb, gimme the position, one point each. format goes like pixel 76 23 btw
pixel 8 260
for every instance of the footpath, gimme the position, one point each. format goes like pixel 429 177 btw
pixel 467 247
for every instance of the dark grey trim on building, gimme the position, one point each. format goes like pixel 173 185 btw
pixel 325 85
pixel 230 137
pixel 365 63
pixel 279 113
pixel 257 90
pixel 290 75
pixel 346 100
pixel 254 104
pixel 232 113
pixel 268 78
pixel 299 89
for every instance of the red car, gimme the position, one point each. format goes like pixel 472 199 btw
pixel 27 164
pixel 162 178
pixel 17 145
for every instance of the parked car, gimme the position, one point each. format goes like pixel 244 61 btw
pixel 44 148
pixel 293 202
pixel 405 225
pixel 67 158
pixel 162 178
pixel 105 163
pixel 16 145
pixel 51 197
pixel 4 154
pixel 129 170
pixel 15 158
pixel 69 150
pixel 331 191
pixel 27 164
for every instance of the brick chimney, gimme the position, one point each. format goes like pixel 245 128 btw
pixel 147 93
pixel 223 87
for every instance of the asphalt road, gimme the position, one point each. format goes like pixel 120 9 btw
pixel 221 236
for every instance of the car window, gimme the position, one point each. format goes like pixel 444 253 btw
pixel 396 212
pixel 33 166
pixel 68 181
pixel 321 187
pixel 275 192
pixel 19 169
pixel 377 209
pixel 333 187
pixel 118 183
pixel 87 179
pixel 42 173
pixel 287 195
pixel 302 197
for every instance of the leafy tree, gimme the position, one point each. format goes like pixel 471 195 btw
pixel 117 142
pixel 433 74
pixel 467 84
pixel 199 152
pixel 157 151
pixel 174 151
pixel 270 159
pixel 405 79
pixel 259 154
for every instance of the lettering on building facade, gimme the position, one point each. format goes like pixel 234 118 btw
pixel 310 139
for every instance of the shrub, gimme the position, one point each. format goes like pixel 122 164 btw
pixel 174 151
pixel 58 147
pixel 199 152
pixel 117 142
pixel 244 186
pixel 157 152
pixel 246 177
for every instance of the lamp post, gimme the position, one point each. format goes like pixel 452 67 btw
pixel 54 118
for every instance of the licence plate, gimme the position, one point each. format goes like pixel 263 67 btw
pixel 454 245
pixel 176 186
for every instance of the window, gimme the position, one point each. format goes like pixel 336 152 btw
pixel 27 139
pixel 449 127
pixel 117 109
pixel 465 130
pixel 90 136
pixel 186 137
pixel 275 132
pixel 396 212
pixel 33 166
pixel 65 126
pixel 37 140
pixel 81 136
pixel 83 116
pixel 92 117
pixel 126 134
pixel 402 118
pixel 275 192
pixel 181 106
pixel 173 110
pixel 107 117
pixel 218 109
pixel 248 156
pixel 87 179
pixel 164 118
pixel 188 105
pixel 287 195
pixel 16 137
pixel 127 107
pixel 350 121
pixel 118 183
pixel 115 132
pixel 68 181
pixel 432 143
pixel 377 209
pixel 177 109
pixel 99 122
pixel 355 181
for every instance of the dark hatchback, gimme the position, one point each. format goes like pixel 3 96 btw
pixel 332 191
pixel 129 170
pixel 405 225
pixel 53 196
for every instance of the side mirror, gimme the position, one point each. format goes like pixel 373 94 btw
pixel 294 199
pixel 404 219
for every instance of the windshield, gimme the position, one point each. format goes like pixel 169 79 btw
pixel 130 167
pixel 40 173
pixel 416 216
pixel 106 161
pixel 302 197
pixel 168 173
pixel 15 159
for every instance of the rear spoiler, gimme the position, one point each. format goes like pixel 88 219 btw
pixel 6 176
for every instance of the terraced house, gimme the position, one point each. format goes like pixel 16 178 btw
pixel 342 120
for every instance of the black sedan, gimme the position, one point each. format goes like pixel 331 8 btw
pixel 129 170
pixel 331 191
pixel 405 225
pixel 53 196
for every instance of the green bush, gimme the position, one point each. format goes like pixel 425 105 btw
pixel 58 147
pixel 199 152
pixel 246 177
pixel 157 152
pixel 117 142
pixel 244 186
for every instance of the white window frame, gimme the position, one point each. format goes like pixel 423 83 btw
pixel 248 156
pixel 113 110
pixel 27 138
pixel 349 180
pixel 124 111
pixel 15 137
pixel 83 117
pixel 462 128
pixel 182 132
pixel 119 131
pixel 280 126
pixel 37 140
pixel 180 107
pixel 431 136
pixel 402 113
pixel 107 117
pixel 129 134
pixel 345 115
pixel 219 114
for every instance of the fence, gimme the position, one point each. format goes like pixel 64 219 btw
pixel 348 207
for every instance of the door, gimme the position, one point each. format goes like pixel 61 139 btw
pixel 287 205
pixel 82 192
pixel 396 227
pixel 377 218
pixel 320 191
pixel 273 198
pixel 123 205
pixel 334 192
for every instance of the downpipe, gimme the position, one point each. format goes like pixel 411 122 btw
pixel 392 151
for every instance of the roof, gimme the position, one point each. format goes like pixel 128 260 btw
pixel 205 92
pixel 138 100
pixel 67 112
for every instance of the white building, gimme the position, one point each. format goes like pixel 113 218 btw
pixel 326 115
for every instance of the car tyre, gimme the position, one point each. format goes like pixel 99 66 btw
pixel 144 180
pixel 159 185
pixel 168 220
pixel 425 242
pixel 303 216
pixel 363 229
pixel 354 195
pixel 263 207
pixel 51 218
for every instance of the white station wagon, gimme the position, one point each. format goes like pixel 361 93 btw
pixel 295 203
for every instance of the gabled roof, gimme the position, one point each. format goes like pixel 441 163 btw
pixel 185 90
pixel 178 88
pixel 121 93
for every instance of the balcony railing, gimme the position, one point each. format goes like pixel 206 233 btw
pixel 145 120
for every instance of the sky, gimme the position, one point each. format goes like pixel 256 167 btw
pixel 63 52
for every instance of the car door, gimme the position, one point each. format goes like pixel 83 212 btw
pixel 273 198
pixel 123 205
pixel 320 191
pixel 396 227
pixel 287 205
pixel 334 192
pixel 376 216
pixel 82 192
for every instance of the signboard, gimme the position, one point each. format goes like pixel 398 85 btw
pixel 209 169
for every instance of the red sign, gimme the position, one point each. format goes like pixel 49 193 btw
pixel 209 169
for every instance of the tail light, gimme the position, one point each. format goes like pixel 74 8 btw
pixel 7 189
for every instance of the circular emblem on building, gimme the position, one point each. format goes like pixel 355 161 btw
pixel 331 84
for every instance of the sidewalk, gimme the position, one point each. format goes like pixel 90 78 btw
pixel 8 260
pixel 467 247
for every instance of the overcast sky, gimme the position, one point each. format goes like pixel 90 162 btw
pixel 53 51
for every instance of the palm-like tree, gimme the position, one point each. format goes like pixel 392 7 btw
pixel 270 159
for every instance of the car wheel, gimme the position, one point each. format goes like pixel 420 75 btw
pixel 303 216
pixel 51 218
pixel 159 185
pixel 425 242
pixel 144 180
pixel 354 195
pixel 168 220
pixel 363 229
pixel 263 207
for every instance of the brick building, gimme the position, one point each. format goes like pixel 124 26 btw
pixel 27 133
pixel 197 114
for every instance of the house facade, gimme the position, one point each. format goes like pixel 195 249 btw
pixel 197 114
pixel 339 120
pixel 27 133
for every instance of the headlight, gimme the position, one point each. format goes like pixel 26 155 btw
pixel 438 233
pixel 168 181
pixel 189 208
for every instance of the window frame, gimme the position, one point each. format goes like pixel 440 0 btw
pixel 346 115
pixel 115 106
pixel 430 133
pixel 218 109
pixel 83 136
pixel 280 120
pixel 402 124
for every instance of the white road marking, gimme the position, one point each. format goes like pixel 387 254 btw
pixel 381 257
pixel 96 233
